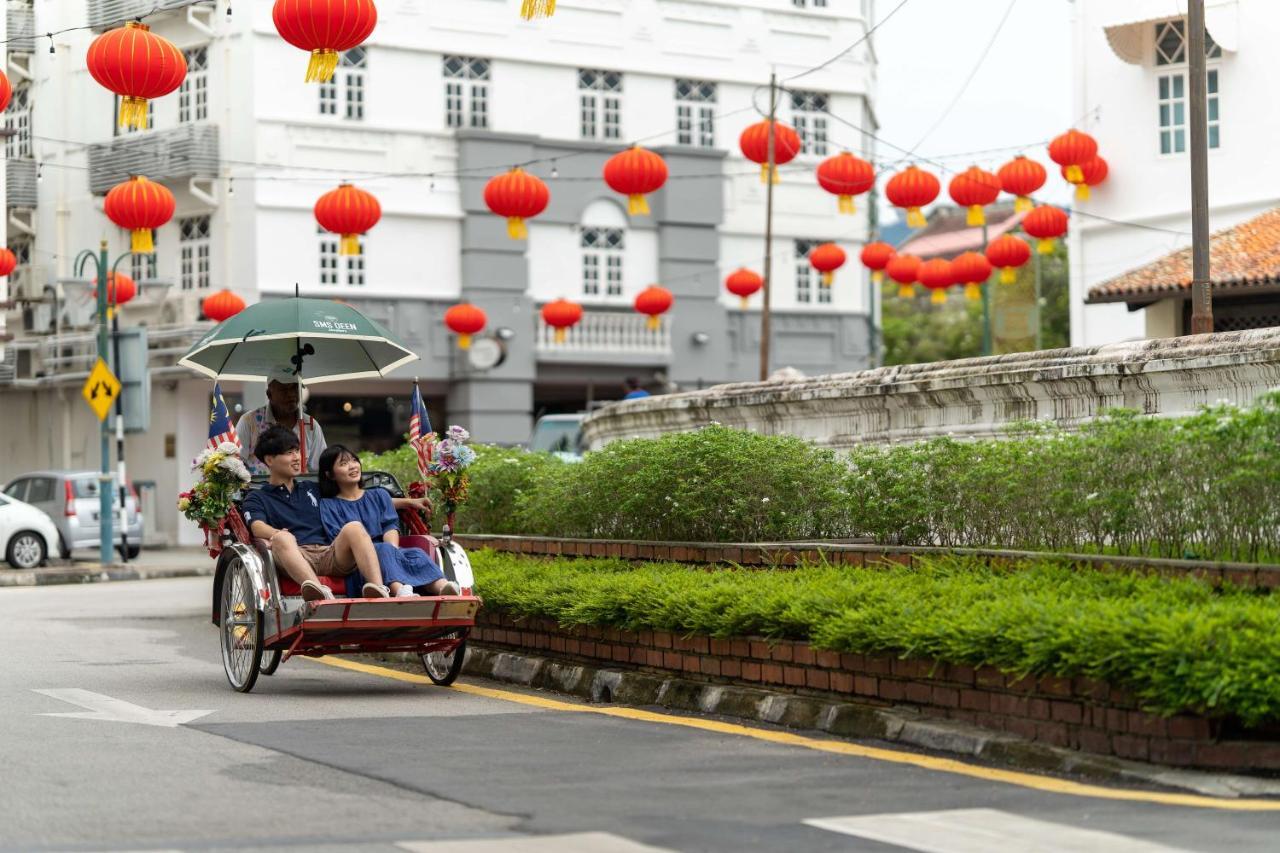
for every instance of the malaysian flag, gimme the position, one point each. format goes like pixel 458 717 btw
pixel 420 431
pixel 220 427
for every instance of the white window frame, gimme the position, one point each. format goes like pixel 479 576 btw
pixel 696 113
pixel 193 94
pixel 343 95
pixel 339 270
pixel 807 278
pixel 466 91
pixel 809 112
pixel 195 233
pixel 599 103
pixel 1169 55
pixel 603 261
pixel 17 120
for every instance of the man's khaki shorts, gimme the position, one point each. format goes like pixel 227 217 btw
pixel 324 560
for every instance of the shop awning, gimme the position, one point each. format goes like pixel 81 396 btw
pixel 1127 28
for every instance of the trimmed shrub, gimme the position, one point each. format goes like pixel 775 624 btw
pixel 1176 644
pixel 712 485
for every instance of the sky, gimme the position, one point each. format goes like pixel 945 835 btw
pixel 1021 94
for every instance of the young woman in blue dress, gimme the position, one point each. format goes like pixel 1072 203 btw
pixel 406 571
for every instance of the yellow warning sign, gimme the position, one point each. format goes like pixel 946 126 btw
pixel 100 389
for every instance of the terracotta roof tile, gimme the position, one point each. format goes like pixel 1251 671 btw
pixel 1243 256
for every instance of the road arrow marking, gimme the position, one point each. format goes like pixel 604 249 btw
pixel 116 710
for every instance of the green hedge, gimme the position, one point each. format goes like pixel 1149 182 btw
pixel 1176 644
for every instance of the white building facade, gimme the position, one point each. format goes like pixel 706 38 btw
pixel 442 97
pixel 1132 88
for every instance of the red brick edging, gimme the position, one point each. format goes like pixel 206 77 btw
pixel 1076 713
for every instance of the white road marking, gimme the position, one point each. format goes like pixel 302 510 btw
pixel 577 842
pixel 981 831
pixel 110 710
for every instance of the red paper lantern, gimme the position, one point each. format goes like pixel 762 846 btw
pixel 905 270
pixel 975 188
pixel 561 315
pixel 518 196
pixel 120 289
pixel 1046 223
pixel 635 173
pixel 350 212
pixel 222 306
pixel 1008 253
pixel 1021 177
pixel 754 143
pixel 973 270
pixel 743 283
pixel 937 275
pixel 826 259
pixel 465 320
pixel 137 65
pixel 1091 174
pixel 654 301
pixel 140 206
pixel 8 262
pixel 326 28
pixel 6 92
pixel 846 176
pixel 911 190
pixel 875 256
pixel 1072 150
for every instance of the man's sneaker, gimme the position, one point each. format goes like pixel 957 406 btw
pixel 314 591
pixel 450 588
pixel 375 590
pixel 405 591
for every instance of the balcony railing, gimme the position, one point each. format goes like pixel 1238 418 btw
pixel 187 151
pixel 20 183
pixel 608 336
pixel 107 14
pixel 20 18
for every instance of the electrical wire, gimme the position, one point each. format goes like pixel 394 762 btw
pixel 865 36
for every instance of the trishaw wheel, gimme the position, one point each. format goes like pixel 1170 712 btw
pixel 443 667
pixel 241 628
pixel 271 661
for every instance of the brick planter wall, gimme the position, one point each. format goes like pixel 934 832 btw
pixel 782 554
pixel 1074 713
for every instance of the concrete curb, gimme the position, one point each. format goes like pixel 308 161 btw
pixel 843 719
pixel 99 574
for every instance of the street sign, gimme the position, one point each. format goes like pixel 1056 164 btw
pixel 100 389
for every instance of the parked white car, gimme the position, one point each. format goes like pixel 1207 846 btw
pixel 26 533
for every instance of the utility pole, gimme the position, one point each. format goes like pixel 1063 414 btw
pixel 873 233
pixel 122 481
pixel 988 340
pixel 1201 285
pixel 104 478
pixel 770 177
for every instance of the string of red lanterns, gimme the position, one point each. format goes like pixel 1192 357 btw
pixel 349 212
pixel 635 173
pixel 826 259
pixel 324 28
pixel 137 65
pixel 561 315
pixel 743 283
pixel 141 206
pixel 518 196
pixel 905 270
pixel 754 142
pixel 846 176
pixel 8 262
pixel 654 301
pixel 973 270
pixel 1008 252
pixel 465 320
pixel 222 306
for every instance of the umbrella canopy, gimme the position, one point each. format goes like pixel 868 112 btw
pixel 321 340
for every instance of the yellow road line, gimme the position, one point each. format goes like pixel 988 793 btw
pixel 928 762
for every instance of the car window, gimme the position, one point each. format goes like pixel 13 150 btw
pixel 40 490
pixel 16 489
pixel 85 488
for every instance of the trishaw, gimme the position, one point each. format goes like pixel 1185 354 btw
pixel 263 620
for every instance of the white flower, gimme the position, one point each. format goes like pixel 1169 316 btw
pixel 228 447
pixel 1091 496
pixel 764 500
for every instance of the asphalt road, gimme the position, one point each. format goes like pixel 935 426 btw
pixel 320 757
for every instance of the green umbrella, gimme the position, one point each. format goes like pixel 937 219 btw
pixel 318 339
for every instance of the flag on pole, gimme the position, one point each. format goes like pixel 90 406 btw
pixel 420 431
pixel 220 427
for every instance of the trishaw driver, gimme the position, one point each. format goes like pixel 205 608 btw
pixel 283 409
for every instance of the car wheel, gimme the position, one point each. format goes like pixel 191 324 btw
pixel 26 550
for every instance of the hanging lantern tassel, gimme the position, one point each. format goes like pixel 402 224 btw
pixel 1008 275
pixel 1046 247
pixel 906 291
pixel 516 229
pixel 766 173
pixel 141 242
pixel 827 277
pixel 915 218
pixel 531 9
pixel 973 292
pixel 1082 192
pixel 976 216
pixel 845 204
pixel 877 276
pixel 637 205
pixel 939 296
pixel 349 245
pixel 464 341
pixel 133 112
pixel 1075 174
pixel 323 64
pixel 560 335
pixel 653 323
pixel 744 302
pixel 1023 204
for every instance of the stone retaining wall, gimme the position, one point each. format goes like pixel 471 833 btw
pixel 1074 713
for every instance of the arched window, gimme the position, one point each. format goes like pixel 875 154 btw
pixel 603 238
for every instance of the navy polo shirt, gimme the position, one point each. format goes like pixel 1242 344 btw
pixel 297 512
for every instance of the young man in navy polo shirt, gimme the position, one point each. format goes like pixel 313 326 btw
pixel 286 513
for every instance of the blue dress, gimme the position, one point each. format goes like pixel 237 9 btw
pixel 375 511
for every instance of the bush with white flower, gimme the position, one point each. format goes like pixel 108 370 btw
pixel 222 475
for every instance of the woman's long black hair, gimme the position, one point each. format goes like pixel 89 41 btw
pixel 330 457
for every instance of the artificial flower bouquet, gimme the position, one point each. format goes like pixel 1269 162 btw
pixel 449 458
pixel 222 475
